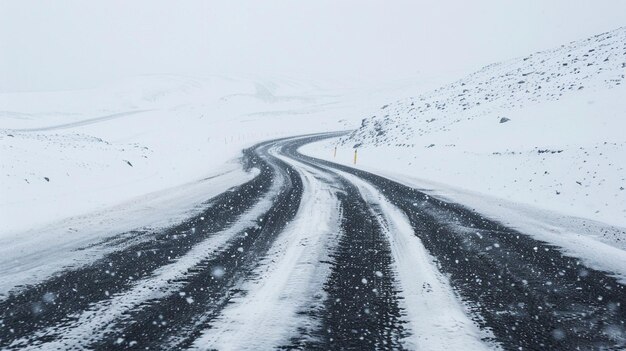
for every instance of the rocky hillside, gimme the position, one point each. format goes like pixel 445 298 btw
pixel 597 63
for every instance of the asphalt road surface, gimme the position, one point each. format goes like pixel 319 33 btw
pixel 314 255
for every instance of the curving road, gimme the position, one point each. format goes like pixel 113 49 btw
pixel 315 255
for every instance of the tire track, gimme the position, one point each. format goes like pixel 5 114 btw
pixel 269 310
pixel 361 309
pixel 435 318
pixel 210 285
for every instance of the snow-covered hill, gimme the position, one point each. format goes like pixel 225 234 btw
pixel 546 129
pixel 597 63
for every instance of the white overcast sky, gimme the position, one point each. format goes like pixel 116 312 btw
pixel 47 45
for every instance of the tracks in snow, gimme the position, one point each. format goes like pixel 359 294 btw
pixel 313 255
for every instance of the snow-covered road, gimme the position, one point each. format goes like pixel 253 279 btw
pixel 309 254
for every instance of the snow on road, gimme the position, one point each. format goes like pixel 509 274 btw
pixel 93 324
pixel 436 317
pixel 289 280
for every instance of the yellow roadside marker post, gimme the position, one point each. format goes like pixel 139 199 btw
pixel 354 156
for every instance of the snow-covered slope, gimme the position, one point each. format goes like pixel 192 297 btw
pixel 546 130
pixel 597 63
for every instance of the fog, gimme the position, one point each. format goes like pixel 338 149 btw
pixel 79 44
